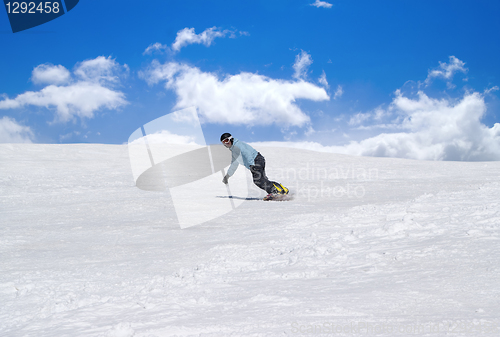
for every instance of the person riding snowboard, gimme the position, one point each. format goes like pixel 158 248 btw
pixel 242 153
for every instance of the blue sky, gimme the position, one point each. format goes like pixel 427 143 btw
pixel 406 79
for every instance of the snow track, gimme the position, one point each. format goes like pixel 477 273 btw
pixel 374 244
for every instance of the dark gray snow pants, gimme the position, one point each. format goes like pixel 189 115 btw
pixel 259 175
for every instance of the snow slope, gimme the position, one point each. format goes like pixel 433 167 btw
pixel 369 246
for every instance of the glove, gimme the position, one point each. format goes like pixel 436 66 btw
pixel 224 180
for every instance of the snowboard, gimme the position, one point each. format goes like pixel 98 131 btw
pixel 278 197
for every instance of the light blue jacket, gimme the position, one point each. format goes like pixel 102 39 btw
pixel 242 153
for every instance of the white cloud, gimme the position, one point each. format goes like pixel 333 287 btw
pixel 379 113
pixel 339 92
pixel 188 36
pixel 310 131
pixel 100 70
pixel 13 132
pixel 76 100
pixel 155 47
pixel 322 4
pixel 376 115
pixel 302 63
pixel 490 90
pixel 359 118
pixel 304 145
pixel 69 135
pixel 447 70
pixel 93 90
pixel 245 98
pixel 323 81
pixel 50 74
pixel 166 137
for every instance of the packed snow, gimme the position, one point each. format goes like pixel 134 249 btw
pixel 368 246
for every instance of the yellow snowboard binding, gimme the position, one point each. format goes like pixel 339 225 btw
pixel 281 189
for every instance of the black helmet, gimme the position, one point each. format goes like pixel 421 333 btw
pixel 224 136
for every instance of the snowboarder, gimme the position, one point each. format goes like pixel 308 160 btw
pixel 242 153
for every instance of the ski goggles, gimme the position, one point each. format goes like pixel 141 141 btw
pixel 227 140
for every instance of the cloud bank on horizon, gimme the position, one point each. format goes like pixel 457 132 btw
pixel 413 125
